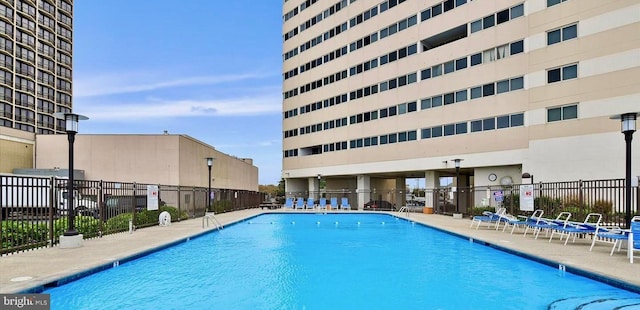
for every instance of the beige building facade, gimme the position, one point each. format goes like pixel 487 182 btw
pixel 379 91
pixel 166 159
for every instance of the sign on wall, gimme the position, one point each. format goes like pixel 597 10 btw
pixel 526 197
pixel 152 197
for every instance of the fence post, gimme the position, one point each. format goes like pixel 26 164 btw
pixel 52 209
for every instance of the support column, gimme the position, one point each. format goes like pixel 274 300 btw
pixel 401 192
pixel 430 183
pixel 363 190
pixel 314 188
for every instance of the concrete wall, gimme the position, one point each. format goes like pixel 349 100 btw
pixel 161 159
pixel 16 149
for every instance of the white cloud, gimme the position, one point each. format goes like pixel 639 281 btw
pixel 155 108
pixel 131 82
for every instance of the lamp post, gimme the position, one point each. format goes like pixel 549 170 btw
pixel 457 165
pixel 209 165
pixel 628 127
pixel 71 127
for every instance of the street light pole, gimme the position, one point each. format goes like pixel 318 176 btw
pixel 71 127
pixel 209 164
pixel 457 164
pixel 628 127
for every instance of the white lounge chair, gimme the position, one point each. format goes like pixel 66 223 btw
pixel 489 218
pixel 588 226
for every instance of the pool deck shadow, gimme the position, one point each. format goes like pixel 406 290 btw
pixel 33 270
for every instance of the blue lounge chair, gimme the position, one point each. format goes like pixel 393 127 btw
pixel 322 204
pixel 589 226
pixel 546 224
pixel 514 222
pixel 344 204
pixel 611 234
pixel 310 203
pixel 288 203
pixel 489 218
pixel 634 238
pixel 300 203
pixel 334 203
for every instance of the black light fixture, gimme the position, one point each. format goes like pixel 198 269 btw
pixel 71 127
pixel 526 175
pixel 209 165
pixel 457 165
pixel 627 127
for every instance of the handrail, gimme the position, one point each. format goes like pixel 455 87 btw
pixel 211 217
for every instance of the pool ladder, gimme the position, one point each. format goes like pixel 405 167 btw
pixel 404 209
pixel 210 217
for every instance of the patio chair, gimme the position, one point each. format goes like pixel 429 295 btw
pixel 634 238
pixel 510 220
pixel 311 203
pixel 322 204
pixel 334 203
pixel 588 226
pixel 610 234
pixel 300 203
pixel 489 218
pixel 288 203
pixel 344 204
pixel 546 224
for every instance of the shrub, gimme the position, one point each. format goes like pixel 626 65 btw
pixel 222 206
pixel 118 223
pixel 88 226
pixel 603 207
pixel 16 233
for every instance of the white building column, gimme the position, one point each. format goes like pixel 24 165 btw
pixel 363 190
pixel 314 188
pixel 430 182
pixel 401 192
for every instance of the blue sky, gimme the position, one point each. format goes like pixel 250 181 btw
pixel 205 68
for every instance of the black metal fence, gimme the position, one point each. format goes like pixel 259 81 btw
pixel 582 197
pixel 34 209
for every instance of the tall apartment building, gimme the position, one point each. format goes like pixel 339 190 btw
pixel 36 39
pixel 379 91
pixel 35 63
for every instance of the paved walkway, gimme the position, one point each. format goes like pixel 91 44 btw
pixel 23 271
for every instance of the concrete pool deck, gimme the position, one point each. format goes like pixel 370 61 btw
pixel 30 270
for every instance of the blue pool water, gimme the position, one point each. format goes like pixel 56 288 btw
pixel 334 261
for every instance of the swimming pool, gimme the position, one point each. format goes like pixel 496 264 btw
pixel 334 261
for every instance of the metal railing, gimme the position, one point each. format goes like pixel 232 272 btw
pixel 34 208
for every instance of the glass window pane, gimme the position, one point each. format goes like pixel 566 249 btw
pixel 383 139
pixel 554 114
pixel 553 75
pixel 517 11
pixel 402 136
pixel 411 78
pixel 476 92
pixel 436 131
pixel 553 37
pixel 448 67
pixel 570 72
pixel 449 130
pixel 436 10
pixel 476 59
pixel 461 63
pixel 488 22
pixel 476 26
pixel 412 106
pixel 412 135
pixel 517 120
pixel 436 101
pixel 426 14
pixel 503 121
pixel 517 47
pixel 449 98
pixel 425 133
pixel 393 138
pixel 476 126
pixel 488 90
pixel 517 83
pixel 425 74
pixel 570 112
pixel 461 95
pixel 503 16
pixel 489 124
pixel 503 86
pixel 569 32
pixel 425 104
pixel 461 128
pixel 436 70
pixel 402 108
